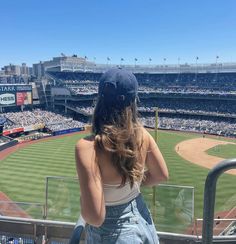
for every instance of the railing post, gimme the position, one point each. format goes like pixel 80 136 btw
pixel 209 198
pixel 46 199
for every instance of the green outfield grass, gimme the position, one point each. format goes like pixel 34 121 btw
pixel 23 175
pixel 223 151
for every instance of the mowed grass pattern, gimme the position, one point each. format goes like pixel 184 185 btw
pixel 23 172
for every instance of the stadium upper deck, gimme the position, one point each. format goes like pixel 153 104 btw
pixel 205 102
pixel 201 83
pixel 78 65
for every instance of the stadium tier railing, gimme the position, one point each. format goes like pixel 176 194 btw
pixel 61 228
pixel 209 198
pixel 22 209
pixel 57 232
pixel 173 204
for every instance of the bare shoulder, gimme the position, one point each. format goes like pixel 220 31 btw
pixel 85 143
pixel 146 135
pixel 144 131
pixel 84 148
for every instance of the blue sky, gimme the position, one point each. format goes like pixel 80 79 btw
pixel 38 30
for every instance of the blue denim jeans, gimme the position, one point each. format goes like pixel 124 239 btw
pixel 126 223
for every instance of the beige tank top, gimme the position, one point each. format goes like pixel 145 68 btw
pixel 115 195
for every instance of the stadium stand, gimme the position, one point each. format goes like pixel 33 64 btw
pixel 198 102
pixel 52 121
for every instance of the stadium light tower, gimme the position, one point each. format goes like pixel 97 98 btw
pixel 217 68
pixel 178 69
pixel 94 60
pixel 197 63
pixel 164 69
pixel 217 57
pixel 85 60
pixel 149 61
pixel 179 64
pixel 108 60
pixel 196 68
pixel 164 64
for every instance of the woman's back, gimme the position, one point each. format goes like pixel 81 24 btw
pixel 113 163
pixel 109 173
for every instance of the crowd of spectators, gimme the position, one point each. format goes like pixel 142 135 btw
pixel 51 120
pixel 223 108
pixel 144 89
pixel 64 125
pixel 92 88
pixel 154 87
pixel 193 124
pixel 86 110
pixel 188 83
pixel 192 106
pixel 84 89
pixel 216 115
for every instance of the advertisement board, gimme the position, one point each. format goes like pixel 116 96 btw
pixel 15 95
pixel 12 131
pixel 7 99
pixel 23 98
pixel 62 132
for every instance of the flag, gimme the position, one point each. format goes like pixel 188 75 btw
pixel 197 58
pixel 121 59
pixel 108 59
pixel 135 59
pixel 150 59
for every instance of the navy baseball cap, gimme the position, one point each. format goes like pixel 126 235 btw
pixel 118 87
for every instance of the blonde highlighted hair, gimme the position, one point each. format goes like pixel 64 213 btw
pixel 118 132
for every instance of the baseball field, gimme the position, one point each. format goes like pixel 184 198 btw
pixel 24 171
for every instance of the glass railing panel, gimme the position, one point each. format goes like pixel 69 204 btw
pixel 62 199
pixel 22 209
pixel 172 207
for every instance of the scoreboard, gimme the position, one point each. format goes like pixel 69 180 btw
pixel 15 95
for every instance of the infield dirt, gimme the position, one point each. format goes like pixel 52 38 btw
pixel 194 151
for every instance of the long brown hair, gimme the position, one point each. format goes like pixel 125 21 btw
pixel 118 132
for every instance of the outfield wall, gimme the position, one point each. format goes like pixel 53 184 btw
pixel 68 131
pixel 8 144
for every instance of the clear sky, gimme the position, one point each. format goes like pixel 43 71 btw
pixel 38 30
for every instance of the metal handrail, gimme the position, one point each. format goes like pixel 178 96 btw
pixel 62 230
pixel 209 198
pixel 209 202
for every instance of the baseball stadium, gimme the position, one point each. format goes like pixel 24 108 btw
pixel 190 110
